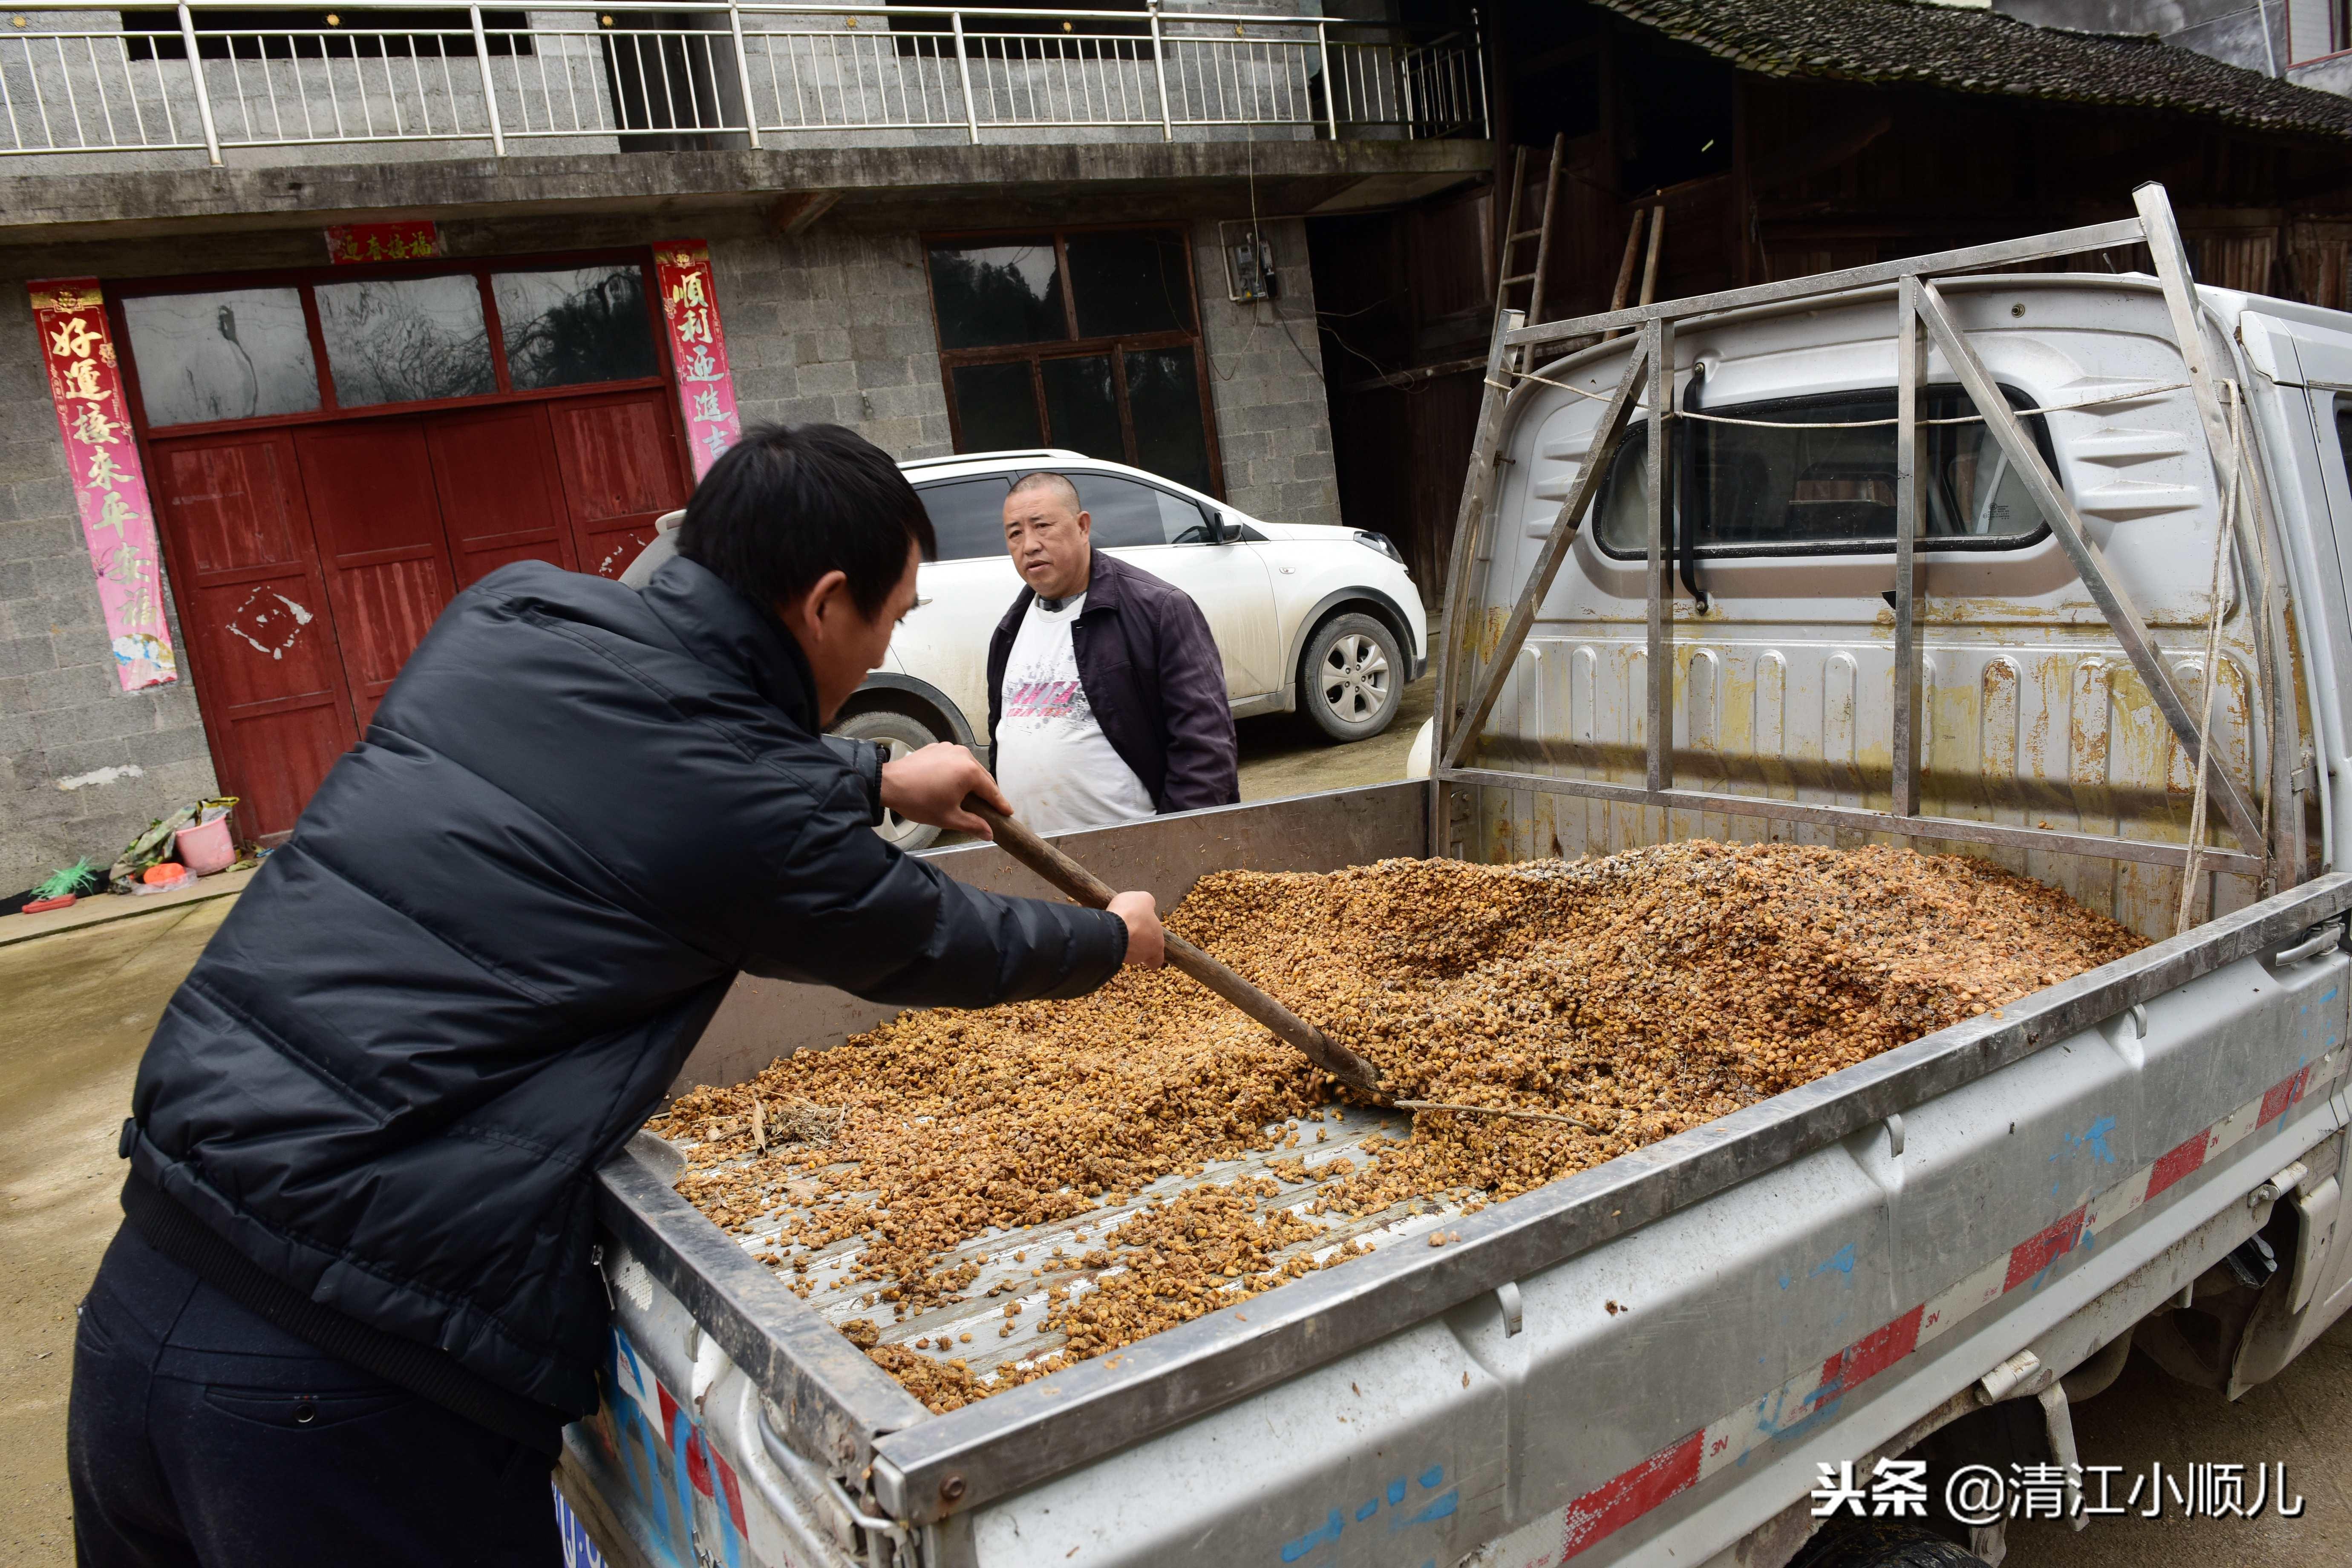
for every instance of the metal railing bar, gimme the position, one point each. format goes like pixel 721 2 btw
pixel 73 103
pixel 1659 738
pixel 743 75
pixel 105 107
pixel 1865 819
pixel 2121 616
pixel 1264 75
pixel 1908 355
pixel 1615 422
pixel 8 101
pixel 1970 258
pixel 489 88
pixel 766 8
pixel 131 84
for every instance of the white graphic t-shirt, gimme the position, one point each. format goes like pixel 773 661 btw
pixel 1053 761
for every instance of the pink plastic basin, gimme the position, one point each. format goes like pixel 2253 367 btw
pixel 207 847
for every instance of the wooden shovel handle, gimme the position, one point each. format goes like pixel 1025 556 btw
pixel 1084 887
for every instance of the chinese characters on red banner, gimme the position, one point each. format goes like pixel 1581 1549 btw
pixel 705 392
pixel 109 491
pixel 409 241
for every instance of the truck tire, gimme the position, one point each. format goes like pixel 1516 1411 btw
pixel 1352 677
pixel 1884 1543
pixel 896 733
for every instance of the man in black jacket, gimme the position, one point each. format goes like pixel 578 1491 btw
pixel 1106 692
pixel 354 1303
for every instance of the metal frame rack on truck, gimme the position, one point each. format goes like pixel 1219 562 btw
pixel 2091 595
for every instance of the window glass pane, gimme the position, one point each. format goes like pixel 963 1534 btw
pixel 1122 512
pixel 1981 494
pixel 1081 407
pixel 1129 280
pixel 1003 291
pixel 241 354
pixel 1621 520
pixel 575 324
pixel 403 340
pixel 1163 400
pixel 968 516
pixel 1182 521
pixel 996 408
pixel 1763 487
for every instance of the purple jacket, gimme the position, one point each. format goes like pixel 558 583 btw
pixel 1153 678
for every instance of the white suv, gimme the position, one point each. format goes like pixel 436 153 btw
pixel 1306 616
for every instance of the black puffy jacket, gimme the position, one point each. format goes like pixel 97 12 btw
pixel 499 926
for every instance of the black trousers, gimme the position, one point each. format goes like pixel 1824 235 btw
pixel 201 1435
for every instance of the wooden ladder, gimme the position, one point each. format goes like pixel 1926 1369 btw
pixel 1513 235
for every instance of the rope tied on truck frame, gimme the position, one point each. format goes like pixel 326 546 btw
pixel 2100 401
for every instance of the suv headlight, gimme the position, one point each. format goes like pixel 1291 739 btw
pixel 1379 541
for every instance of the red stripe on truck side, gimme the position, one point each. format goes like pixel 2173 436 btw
pixel 2182 1161
pixel 1618 1502
pixel 2029 1257
pixel 1872 1354
pixel 2279 1100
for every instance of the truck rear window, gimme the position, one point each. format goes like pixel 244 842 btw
pixel 1826 486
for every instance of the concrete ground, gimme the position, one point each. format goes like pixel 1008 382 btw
pixel 1284 753
pixel 75 1007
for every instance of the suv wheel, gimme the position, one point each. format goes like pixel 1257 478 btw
pixel 1352 677
pixel 896 733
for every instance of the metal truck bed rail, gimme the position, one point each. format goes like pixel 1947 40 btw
pixel 1646 386
pixel 926 1467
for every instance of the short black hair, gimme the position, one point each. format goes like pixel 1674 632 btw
pixel 786 505
pixel 1047 479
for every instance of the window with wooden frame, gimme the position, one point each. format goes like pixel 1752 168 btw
pixel 1087 339
pixel 317 344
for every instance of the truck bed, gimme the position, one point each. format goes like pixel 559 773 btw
pixel 1028 1262
pixel 2059 1056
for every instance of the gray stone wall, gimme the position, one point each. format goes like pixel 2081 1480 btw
pixel 835 326
pixel 84 765
pixel 1266 378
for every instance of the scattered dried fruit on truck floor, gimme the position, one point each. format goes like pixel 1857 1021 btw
pixel 1646 993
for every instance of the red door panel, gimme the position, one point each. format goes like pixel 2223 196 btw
pixel 378 523
pixel 621 471
pixel 254 607
pixel 501 499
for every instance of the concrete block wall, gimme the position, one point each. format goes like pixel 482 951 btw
pixel 1266 378
pixel 84 765
pixel 835 326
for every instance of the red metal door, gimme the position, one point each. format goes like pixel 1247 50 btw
pixel 254 609
pixel 501 497
pixel 619 457
pixel 377 518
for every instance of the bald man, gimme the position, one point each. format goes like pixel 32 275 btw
pixel 1106 692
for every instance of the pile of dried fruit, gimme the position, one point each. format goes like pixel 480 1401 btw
pixel 1643 993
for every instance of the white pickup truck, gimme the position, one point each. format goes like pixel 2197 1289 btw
pixel 1722 576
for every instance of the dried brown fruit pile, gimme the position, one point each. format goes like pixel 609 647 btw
pixel 1645 993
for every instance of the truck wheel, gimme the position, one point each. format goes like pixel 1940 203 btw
pixel 1352 677
pixel 1884 1543
pixel 896 733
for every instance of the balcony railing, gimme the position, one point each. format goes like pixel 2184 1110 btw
pixel 640 74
